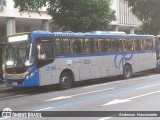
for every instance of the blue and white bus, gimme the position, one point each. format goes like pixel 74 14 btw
pixel 45 58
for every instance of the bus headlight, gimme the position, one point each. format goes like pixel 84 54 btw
pixel 29 75
pixel 9 63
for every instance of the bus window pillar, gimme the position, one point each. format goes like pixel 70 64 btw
pixel 115 28
pixel 131 29
pixel 45 25
pixel 11 26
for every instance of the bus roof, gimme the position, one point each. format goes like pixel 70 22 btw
pixel 90 35
pixel 118 36
pixel 58 34
pixel 108 32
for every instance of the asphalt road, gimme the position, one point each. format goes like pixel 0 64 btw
pixel 141 93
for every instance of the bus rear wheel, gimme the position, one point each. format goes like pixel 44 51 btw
pixel 127 72
pixel 66 81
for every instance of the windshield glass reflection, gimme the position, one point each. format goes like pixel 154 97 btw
pixel 19 55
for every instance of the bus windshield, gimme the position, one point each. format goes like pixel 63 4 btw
pixel 19 55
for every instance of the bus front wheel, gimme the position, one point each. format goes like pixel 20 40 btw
pixel 66 81
pixel 127 72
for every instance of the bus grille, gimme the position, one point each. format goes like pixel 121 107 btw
pixel 18 82
pixel 16 70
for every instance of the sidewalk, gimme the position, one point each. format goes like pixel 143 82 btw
pixel 3 88
pixel 5 92
pixel 2 85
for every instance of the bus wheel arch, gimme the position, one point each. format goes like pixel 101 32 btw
pixel 127 71
pixel 66 79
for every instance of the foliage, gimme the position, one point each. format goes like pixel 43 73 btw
pixel 74 15
pixel 148 12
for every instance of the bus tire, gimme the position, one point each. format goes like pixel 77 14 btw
pixel 127 71
pixel 66 81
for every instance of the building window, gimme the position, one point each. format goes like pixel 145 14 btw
pixel 3 31
pixel 26 28
pixel 3 2
pixel 17 29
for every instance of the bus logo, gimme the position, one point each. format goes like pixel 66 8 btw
pixel 120 60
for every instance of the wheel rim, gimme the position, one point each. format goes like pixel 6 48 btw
pixel 127 72
pixel 65 81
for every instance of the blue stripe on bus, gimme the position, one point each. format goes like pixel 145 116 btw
pixel 119 36
pixel 103 54
pixel 124 59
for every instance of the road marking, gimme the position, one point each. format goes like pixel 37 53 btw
pixel 97 85
pixel 91 86
pixel 65 97
pixel 118 101
pixel 44 109
pixel 106 118
pixel 102 84
pixel 147 86
pixel 101 95
pixel 58 98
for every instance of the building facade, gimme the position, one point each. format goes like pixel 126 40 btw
pixel 125 21
pixel 11 21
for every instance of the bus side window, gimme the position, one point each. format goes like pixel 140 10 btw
pixel 59 48
pixel 77 46
pixel 128 45
pixel 91 46
pixel 102 45
pixel 63 46
pixel 49 51
pixel 116 45
pixel 133 45
pixel 45 51
pixel 148 44
pixel 138 46
pixel 109 45
pixel 66 47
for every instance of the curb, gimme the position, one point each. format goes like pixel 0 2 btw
pixel 3 90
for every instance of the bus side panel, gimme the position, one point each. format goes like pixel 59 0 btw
pixel 45 75
pixel 32 81
pixel 108 61
pixel 134 62
pixel 84 69
pixel 61 64
pixel 96 62
pixel 55 76
pixel 147 60
pixel 117 64
pixel 105 70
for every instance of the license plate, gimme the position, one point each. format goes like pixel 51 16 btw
pixel 14 83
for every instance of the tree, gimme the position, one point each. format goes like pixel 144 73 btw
pixel 74 15
pixel 147 11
